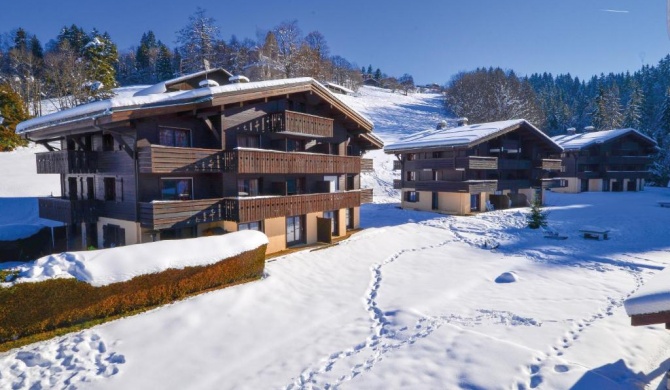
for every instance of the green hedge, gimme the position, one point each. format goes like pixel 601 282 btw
pixel 31 308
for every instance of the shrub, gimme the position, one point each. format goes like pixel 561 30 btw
pixel 537 218
pixel 31 308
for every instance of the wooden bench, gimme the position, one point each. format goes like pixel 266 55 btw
pixel 595 233
pixel 664 204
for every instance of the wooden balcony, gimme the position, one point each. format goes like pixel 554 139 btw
pixel 551 164
pixel 244 210
pixel 296 123
pixel 514 164
pixel 629 160
pixel 477 162
pixel 175 214
pixel 67 161
pixel 470 186
pixel 67 211
pixel 367 165
pixel 168 159
pixel 551 183
pixel 513 184
pixel 397 184
pixel 269 162
pixel 589 175
pixel 367 195
pixel 471 162
pixel 397 165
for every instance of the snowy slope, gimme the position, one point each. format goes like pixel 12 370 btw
pixel 395 116
pixel 410 302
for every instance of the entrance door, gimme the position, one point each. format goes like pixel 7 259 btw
pixel 435 201
pixel 584 185
pixel 72 187
pixel 474 202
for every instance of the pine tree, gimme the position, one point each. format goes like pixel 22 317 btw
pixel 378 74
pixel 164 68
pixel 369 69
pixel 633 112
pixel 101 55
pixel 537 218
pixel 12 111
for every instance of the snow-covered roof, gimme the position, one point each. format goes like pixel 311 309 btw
pixel 584 140
pixel 339 87
pixel 652 297
pixel 143 99
pixel 467 135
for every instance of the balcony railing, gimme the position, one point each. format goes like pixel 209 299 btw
pixel 258 208
pixel 168 159
pixel 269 162
pixel 551 183
pixel 552 164
pixel 67 211
pixel 471 162
pixel 367 165
pixel 367 195
pixel 397 165
pixel 67 161
pixel 513 184
pixel 471 186
pixel 397 184
pixel 301 124
pixel 173 214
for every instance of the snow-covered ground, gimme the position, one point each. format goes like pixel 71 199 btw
pixel 410 302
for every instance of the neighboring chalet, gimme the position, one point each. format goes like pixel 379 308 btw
pixel 470 168
pixel 610 160
pixel 198 155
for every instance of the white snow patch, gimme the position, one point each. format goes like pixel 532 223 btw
pixel 106 266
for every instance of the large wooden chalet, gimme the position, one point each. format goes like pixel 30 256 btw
pixel 610 160
pixel 468 168
pixel 202 155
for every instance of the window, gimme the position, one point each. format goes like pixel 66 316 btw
pixel 412 196
pixel 437 154
pixel 410 176
pixel 247 187
pixel 248 141
pixel 256 225
pixel 174 137
pixel 177 189
pixel 295 186
pixel 410 156
pixel 294 145
pixel 110 188
pixel 113 236
pixel 294 231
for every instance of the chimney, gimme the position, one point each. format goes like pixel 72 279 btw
pixel 589 129
pixel 462 121
pixel 238 79
pixel 571 130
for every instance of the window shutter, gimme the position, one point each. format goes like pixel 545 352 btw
pixel 119 190
pixel 417 196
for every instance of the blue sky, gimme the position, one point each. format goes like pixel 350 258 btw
pixel 430 39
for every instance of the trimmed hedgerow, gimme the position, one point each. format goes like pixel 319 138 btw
pixel 31 308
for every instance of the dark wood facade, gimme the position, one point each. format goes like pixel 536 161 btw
pixel 613 160
pixel 239 156
pixel 513 159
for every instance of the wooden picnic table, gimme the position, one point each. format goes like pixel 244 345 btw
pixel 595 233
